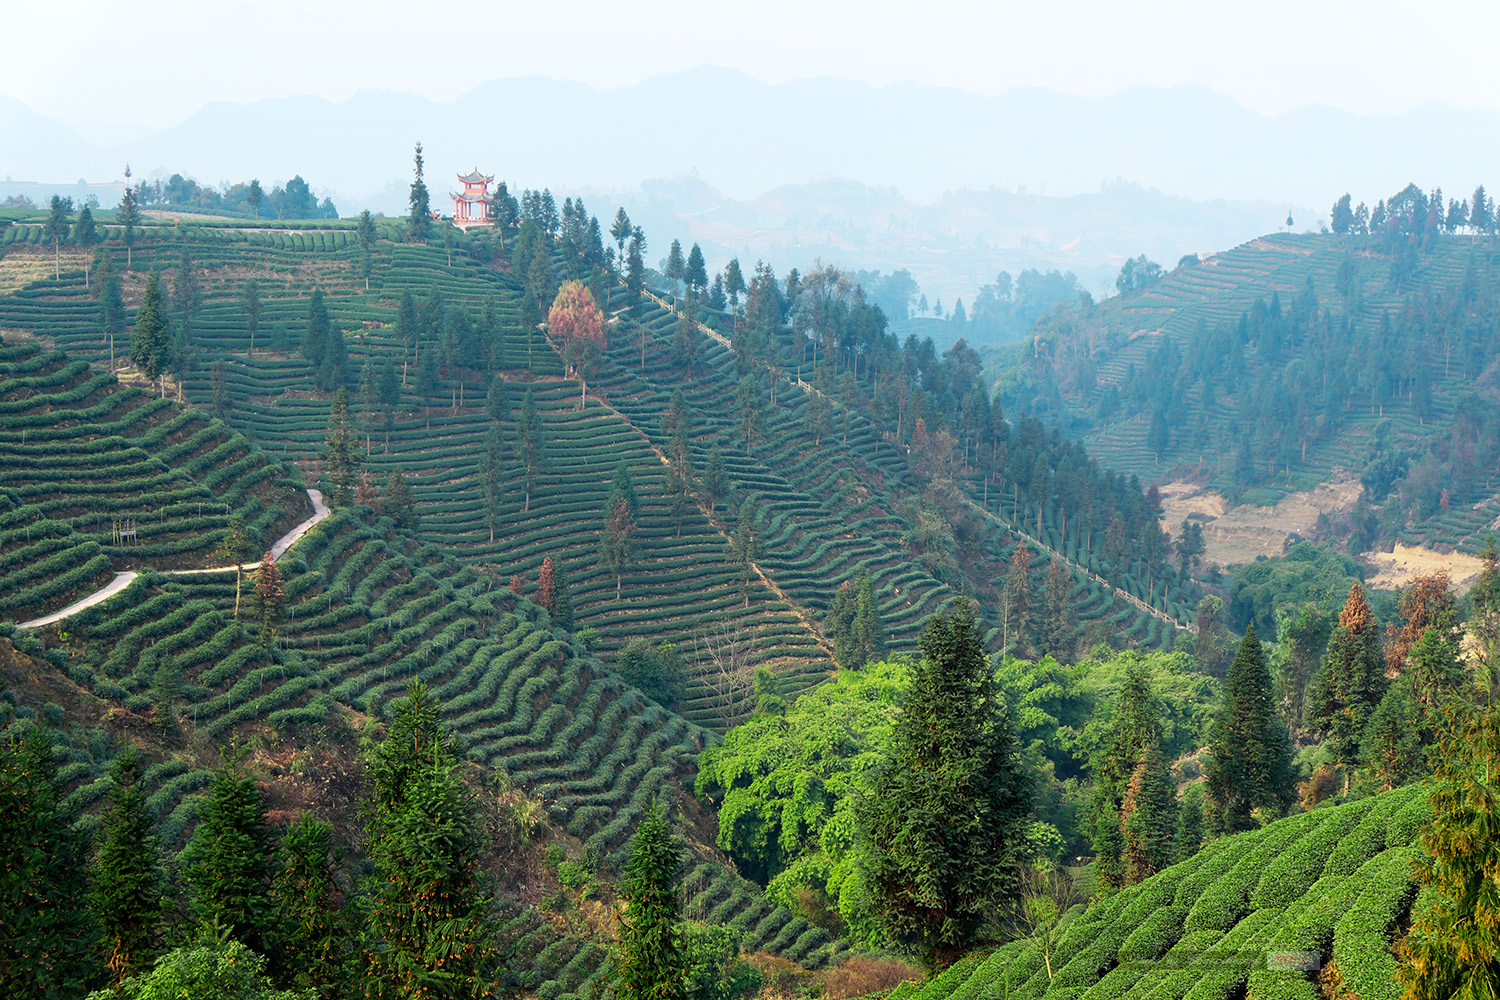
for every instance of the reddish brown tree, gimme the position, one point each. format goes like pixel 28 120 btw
pixel 517 584
pixel 575 321
pixel 1426 601
pixel 546 585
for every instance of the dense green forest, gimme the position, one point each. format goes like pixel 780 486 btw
pixel 679 635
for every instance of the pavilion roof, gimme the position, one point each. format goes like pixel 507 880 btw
pixel 467 196
pixel 475 177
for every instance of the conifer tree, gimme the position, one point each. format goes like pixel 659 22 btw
pixel 1132 731
pixel 150 340
pixel 1148 816
pixel 340 458
pixel 1059 629
pixel 1187 837
pixel 652 965
pixel 1350 684
pixel 419 218
pixel 695 273
pixel 745 547
pixel 945 812
pixel 492 469
pixel 268 600
pixel 1390 750
pixel 47 938
pixel 128 880
pixel 529 430
pixel 112 312
pixel 429 912
pixel 562 601
pixel 1015 603
pixel 617 550
pixel 1251 763
pixel 250 300
pixel 546 585
pixel 228 861
pixel 713 484
pixel 130 217
pixel 398 503
pixel 187 295
pixel 311 944
pixel 1452 951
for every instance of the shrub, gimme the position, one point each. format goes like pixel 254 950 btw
pixel 863 974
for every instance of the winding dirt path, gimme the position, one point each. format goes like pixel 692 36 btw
pixel 123 580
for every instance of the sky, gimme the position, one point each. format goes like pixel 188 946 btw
pixel 115 71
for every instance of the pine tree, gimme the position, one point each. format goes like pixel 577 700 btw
pixel 745 547
pixel 562 601
pixel 1132 730
pixel 1187 837
pixel 228 861
pixel 1350 684
pixel 945 811
pixel 713 484
pixel 187 294
pixel 1059 628
pixel 1148 816
pixel 533 455
pixel 128 880
pixel 340 457
pixel 652 965
pixel 304 890
pixel 1452 951
pixel 1390 750
pixel 492 469
pixel 112 312
pixel 546 585
pixel 47 939
pixel 429 911
pixel 150 340
pixel 419 219
pixel 268 600
pixel 398 503
pixel 1250 766
pixel 617 549
pixel 129 216
pixel 1015 603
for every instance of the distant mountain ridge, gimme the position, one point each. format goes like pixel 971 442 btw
pixel 747 137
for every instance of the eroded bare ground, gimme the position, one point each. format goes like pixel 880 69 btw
pixel 1236 535
pixel 1395 569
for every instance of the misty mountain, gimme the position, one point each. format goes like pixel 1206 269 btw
pixel 748 137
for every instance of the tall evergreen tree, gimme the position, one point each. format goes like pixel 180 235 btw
pixel 267 603
pixel 150 340
pixel 112 312
pixel 398 503
pixel 1350 684
pixel 310 951
pixel 945 813
pixel 1452 951
pixel 617 549
pixel 714 485
pixel 745 546
pixel 1148 816
pixel 533 453
pixel 419 218
pixel 47 939
pixel 129 216
pixel 429 911
pixel 1059 630
pixel 652 965
pixel 1391 752
pixel 1187 837
pixel 1250 766
pixel 340 457
pixel 228 861
pixel 1132 731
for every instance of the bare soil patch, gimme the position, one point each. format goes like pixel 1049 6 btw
pixel 1395 569
pixel 1236 535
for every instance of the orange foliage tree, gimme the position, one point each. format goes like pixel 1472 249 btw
pixel 576 322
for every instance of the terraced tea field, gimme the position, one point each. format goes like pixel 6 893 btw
pixel 1251 915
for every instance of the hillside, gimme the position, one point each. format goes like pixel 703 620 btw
pixel 1294 361
pixel 167 663
pixel 810 488
pixel 1303 908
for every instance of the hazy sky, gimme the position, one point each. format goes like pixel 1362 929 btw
pixel 111 69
